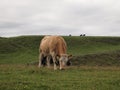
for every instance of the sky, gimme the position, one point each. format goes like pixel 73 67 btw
pixel 59 17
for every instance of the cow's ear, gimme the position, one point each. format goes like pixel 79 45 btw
pixel 70 56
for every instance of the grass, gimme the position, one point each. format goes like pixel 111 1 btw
pixel 21 77
pixel 95 65
pixel 98 59
pixel 89 45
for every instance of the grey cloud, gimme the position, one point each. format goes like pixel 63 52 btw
pixel 25 17
pixel 10 25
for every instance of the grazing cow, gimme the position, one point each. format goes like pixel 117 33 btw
pixel 53 47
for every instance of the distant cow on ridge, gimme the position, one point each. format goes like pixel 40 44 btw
pixel 55 47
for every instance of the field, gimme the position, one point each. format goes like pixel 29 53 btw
pixel 95 65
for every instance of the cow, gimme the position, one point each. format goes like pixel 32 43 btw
pixel 54 47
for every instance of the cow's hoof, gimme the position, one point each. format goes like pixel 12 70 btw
pixel 62 69
pixel 39 66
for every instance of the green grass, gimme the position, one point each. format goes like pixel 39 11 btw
pixel 76 45
pixel 19 57
pixel 88 45
pixel 95 65
pixel 25 49
pixel 21 77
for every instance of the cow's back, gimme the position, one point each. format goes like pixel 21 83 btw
pixel 58 45
pixel 44 45
pixel 53 44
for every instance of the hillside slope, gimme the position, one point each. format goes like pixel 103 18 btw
pixel 85 50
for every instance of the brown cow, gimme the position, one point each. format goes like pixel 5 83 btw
pixel 55 47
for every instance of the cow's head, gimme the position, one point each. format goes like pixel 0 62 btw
pixel 64 60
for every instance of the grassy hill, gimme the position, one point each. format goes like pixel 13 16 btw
pixel 95 65
pixel 85 50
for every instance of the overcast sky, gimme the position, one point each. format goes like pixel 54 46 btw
pixel 61 17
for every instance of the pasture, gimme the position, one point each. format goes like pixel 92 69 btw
pixel 95 65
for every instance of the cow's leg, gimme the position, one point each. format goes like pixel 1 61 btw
pixel 40 60
pixel 48 61
pixel 60 64
pixel 54 60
